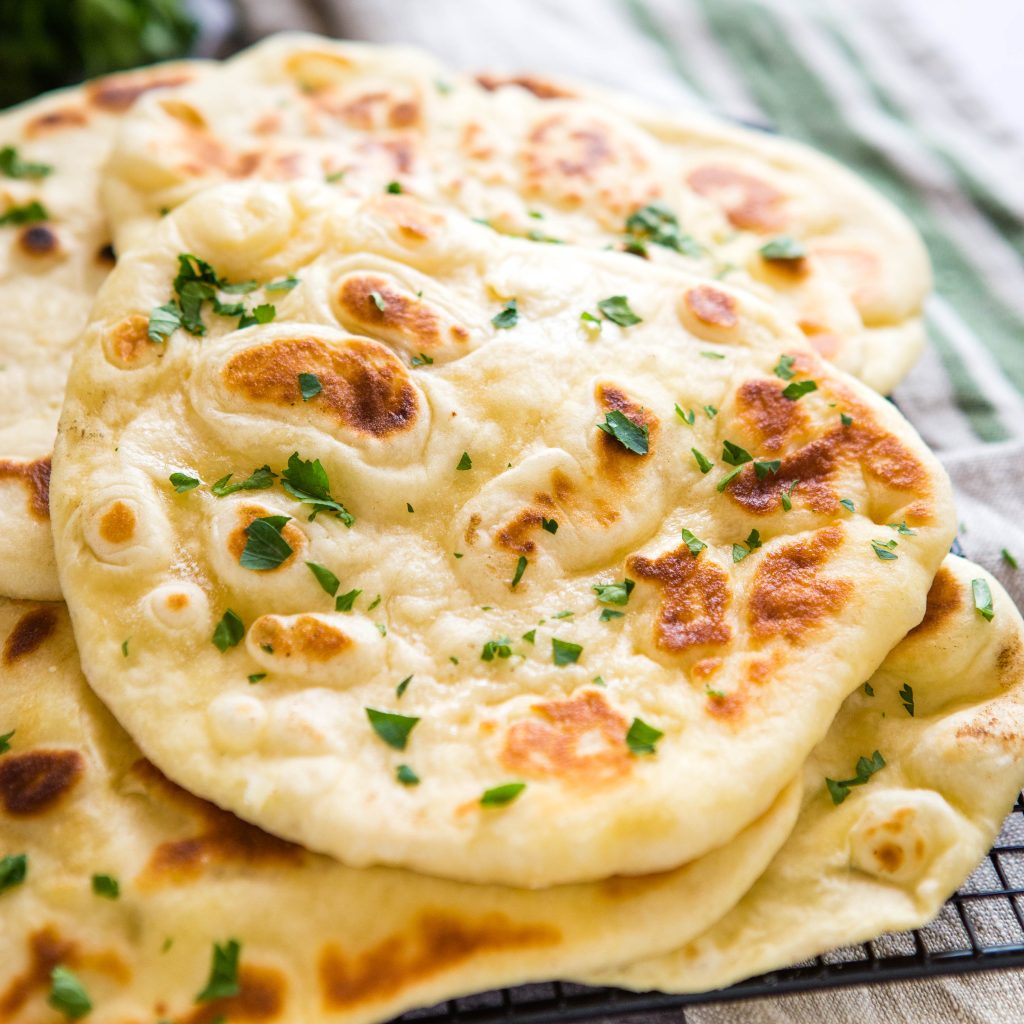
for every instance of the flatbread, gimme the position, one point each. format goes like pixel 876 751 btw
pixel 319 941
pixel 888 856
pixel 49 271
pixel 455 471
pixel 550 161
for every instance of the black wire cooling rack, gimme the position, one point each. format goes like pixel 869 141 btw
pixel 981 927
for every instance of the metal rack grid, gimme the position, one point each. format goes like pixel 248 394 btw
pixel 981 927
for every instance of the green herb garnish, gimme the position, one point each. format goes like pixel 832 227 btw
pixel 13 868
pixel 1009 558
pixel 847 503
pixel 309 386
pixel 465 462
pixel 182 482
pixel 265 548
pixel 783 249
pixel 406 776
pixel 642 738
pixel 798 388
pixel 324 577
pixel 500 648
pixel 884 550
pixel 982 599
pixel 403 686
pixel 258 480
pixel 617 310
pixel 391 728
pixel 687 417
pixel 703 463
pixel 344 602
pixel 695 545
pixel 634 437
pixel 67 994
pixel 106 886
pixel 520 569
pixel 12 166
pixel 839 790
pixel 784 367
pixel 229 631
pixel 501 795
pixel 614 593
pixel 223 982
pixel 656 223
pixel 508 317
pixel 565 653
pixel 550 525
pixel 306 481
pixel 907 696
pixel 30 213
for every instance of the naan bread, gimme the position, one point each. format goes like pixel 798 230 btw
pixel 460 445
pixel 52 260
pixel 888 856
pixel 319 941
pixel 535 161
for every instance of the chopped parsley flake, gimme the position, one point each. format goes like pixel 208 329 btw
pixel 421 360
pixel 695 545
pixel 598 681
pixel 1008 557
pixel 903 528
pixel 229 631
pixel 847 503
pixel 13 868
pixel 406 776
pixel 5 739
pixel 286 284
pixel 163 322
pixel 617 310
pixel 258 480
pixel 324 577
pixel 784 368
pixel 563 615
pixel 869 690
pixel 106 886
pixel 30 213
pixel 839 790
pixel 847 421
pixel 607 614
pixel 344 602
pixel 265 548
pixel 907 696
pixel 182 482
pixel 728 479
pixel 753 540
pixel 563 652
pixel 590 321
pixel 734 455
pixel 982 599
pixel 884 550
pixel 465 462
pixel 306 481
pixel 500 648
pixel 657 224
pixel 378 300
pixel 223 981
pixel 520 569
pixel 642 738
pixel 798 388
pixel 257 677
pixel 260 315
pixel 687 417
pixel 614 593
pixel 765 466
pixel 787 497
pixel 403 686
pixel 394 188
pixel 67 994
pixel 634 437
pixel 739 552
pixel 309 386
pixel 530 637
pixel 710 411
pixel 703 463
pixel 508 317
pixel 498 796
pixel 12 166
pixel 391 728
pixel 550 525
pixel 783 249
pixel 707 354
pixel 373 604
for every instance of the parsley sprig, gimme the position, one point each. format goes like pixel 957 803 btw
pixel 839 789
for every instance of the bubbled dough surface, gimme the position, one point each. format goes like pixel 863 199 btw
pixel 319 941
pixel 888 856
pixel 785 635
pixel 49 274
pixel 582 158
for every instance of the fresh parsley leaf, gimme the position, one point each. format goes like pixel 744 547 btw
pixel 381 628
pixel 124 654
pixel 530 637
pixel 5 739
pixel 223 982
pixel 500 648
pixel 695 545
pixel 12 166
pixel 634 437
pixel 765 466
pixel 373 604
pixel 607 615
pixel 590 321
pixel 394 188
pixel 847 503
pixel 783 249
pixel 687 417
pixel 703 464
pixel 406 776
pixel 787 497
pixel 498 796
pixel 1008 557
pixel 753 540
pixel 258 480
pixel 734 455
pixel 884 550
pixel 325 577
pixel 30 213
pixel 309 386
pixel 421 360
pixel 656 223
pixel 378 300
pixel 564 615
pixel 67 994
pixel 393 729
pixel 982 599
pixel 839 790
pixel 182 482
pixel 465 462
pixel 13 868
pixel 508 317
pixel 229 631
pixel 520 569
pixel 707 354
pixel 344 602
pixel 710 411
pixel 286 284
pixel 847 421
pixel 550 525
pixel 798 388
pixel 403 686
pixel 257 677
pixel 784 367
pixel 333 177
pixel 306 481
pixel 907 696
pixel 614 593
pixel 563 652
pixel 164 321
pixel 262 314
pixel 106 886
pixel 265 548
pixel 739 552
pixel 598 681
pixel 617 310
pixel 869 690
pixel 642 738
pixel 902 528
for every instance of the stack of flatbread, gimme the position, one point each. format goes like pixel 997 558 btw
pixel 488 554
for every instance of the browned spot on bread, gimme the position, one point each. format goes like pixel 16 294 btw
pixel 202 152
pixel 945 598
pixel 105 254
pixel 56 120
pixel 1010 662
pixel 772 419
pixel 238 538
pixel 176 602
pixel 364 386
pixel 46 950
pixel 414 221
pixel 822 340
pixel 889 856
pixel 706 667
pixel 403 314
pixel 858 271
pixel 728 707
pixel 473 528
pixel 433 942
pixel 261 997
pixel 128 343
pixel 694 598
pixel 315 70
pixel 711 306
pixel 790 596
pixel 117 524
pixel 36 478
pixel 514 536
pixel 748 202
pixel 218 837
pixel 374 111
pixel 306 637
pixel 38 240
pixel 119 92
pixel 30 632
pixel 552 744
pixel 991 724
pixel 540 87
pixel 34 782
pixel 615 459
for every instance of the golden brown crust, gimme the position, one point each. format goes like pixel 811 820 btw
pixel 36 478
pixel 30 632
pixel 748 202
pixel 35 782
